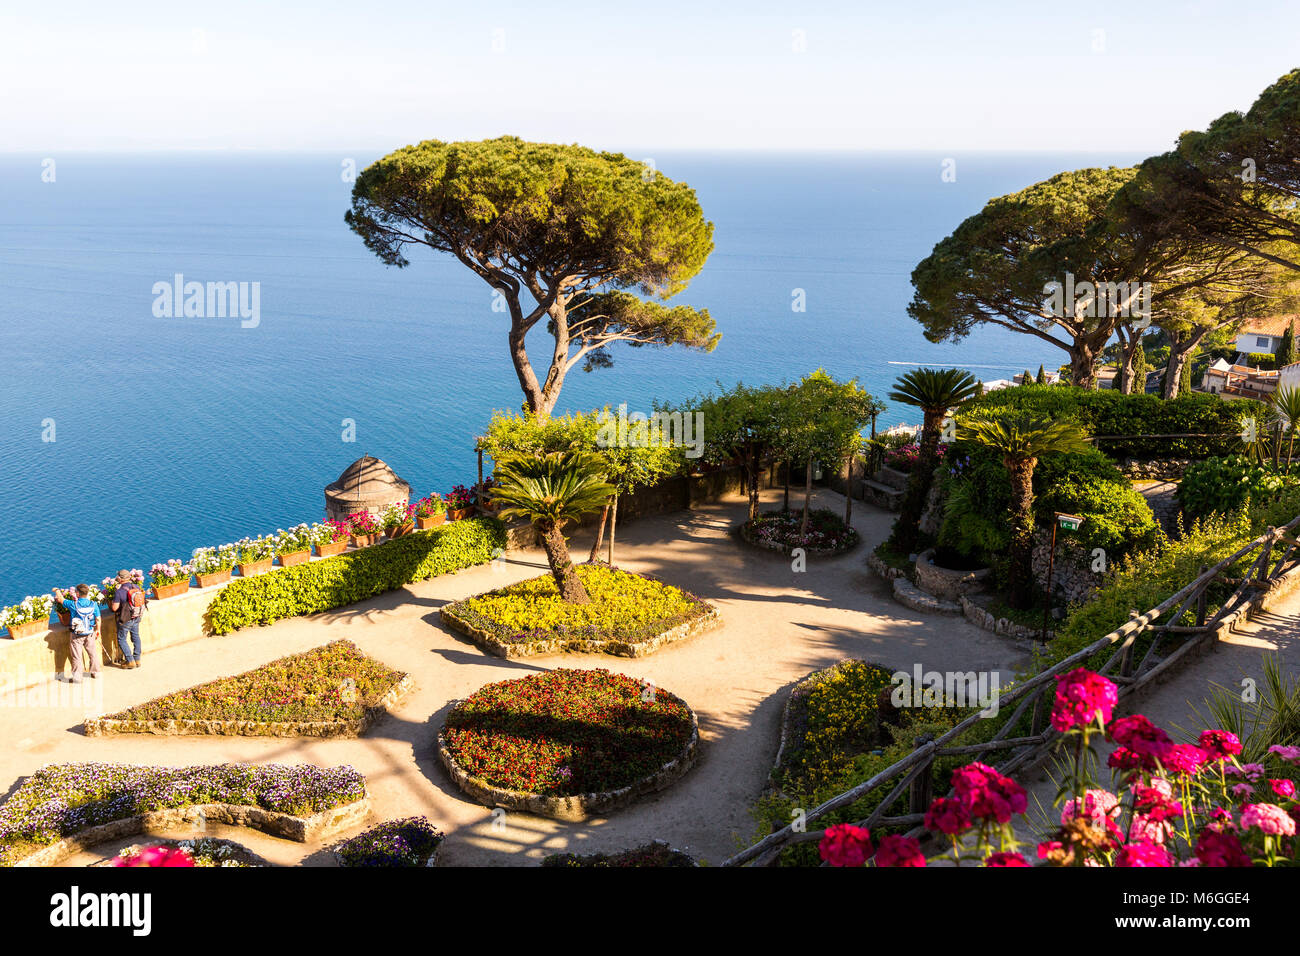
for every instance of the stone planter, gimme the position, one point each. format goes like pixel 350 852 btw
pixel 213 577
pixel 294 557
pixel 331 549
pixel 17 631
pixel 430 521
pixel 256 567
pixel 946 583
pixel 164 591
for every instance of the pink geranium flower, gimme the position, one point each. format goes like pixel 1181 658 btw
pixel 1289 754
pixel 1283 788
pixel 1184 759
pixel 899 851
pixel 1142 741
pixel 1216 847
pixel 1097 806
pixel 845 845
pixel 1143 854
pixel 1006 859
pixel 1268 818
pixel 948 815
pixel 1219 744
pixel 987 794
pixel 1081 698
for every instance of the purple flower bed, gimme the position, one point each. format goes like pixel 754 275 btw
pixel 62 799
pixel 826 530
pixel 657 853
pixel 408 842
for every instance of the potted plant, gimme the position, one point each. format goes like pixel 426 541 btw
pixel 213 565
pixel 397 519
pixel 460 503
pixel 364 528
pixel 430 512
pixel 293 546
pixel 255 555
pixel 170 579
pixel 28 617
pixel 330 538
pixel 483 496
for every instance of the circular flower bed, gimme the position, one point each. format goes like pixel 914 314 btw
pixel 567 743
pixel 779 531
pixel 656 853
pixel 412 841
pixel 201 852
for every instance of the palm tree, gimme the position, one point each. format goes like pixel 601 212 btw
pixel 1284 409
pixel 1021 442
pixel 550 491
pixel 934 391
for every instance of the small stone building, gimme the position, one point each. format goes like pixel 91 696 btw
pixel 368 484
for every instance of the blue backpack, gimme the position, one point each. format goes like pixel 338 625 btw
pixel 83 617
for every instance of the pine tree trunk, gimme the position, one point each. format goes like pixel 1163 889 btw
pixel 566 578
pixel 1022 585
pixel 908 526
pixel 753 484
pixel 600 532
pixel 613 525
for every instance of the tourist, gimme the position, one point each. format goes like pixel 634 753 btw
pixel 128 604
pixel 84 614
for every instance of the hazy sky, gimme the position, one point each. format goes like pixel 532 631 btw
pixel 707 74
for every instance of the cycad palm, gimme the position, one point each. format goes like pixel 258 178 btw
pixel 934 391
pixel 549 491
pixel 1284 408
pixel 1021 442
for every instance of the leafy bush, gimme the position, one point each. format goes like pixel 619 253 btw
pixel 1224 485
pixel 978 497
pixel 63 799
pixel 566 732
pixel 1262 360
pixel 651 854
pixel 1107 412
pixel 332 683
pixel 348 578
pixel 407 842
pixel 624 606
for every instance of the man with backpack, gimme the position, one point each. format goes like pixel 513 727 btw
pixel 128 604
pixel 84 623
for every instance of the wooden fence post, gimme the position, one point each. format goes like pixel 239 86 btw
pixel 1126 662
pixel 1200 599
pixel 921 792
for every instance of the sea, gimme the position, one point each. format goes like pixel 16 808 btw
pixel 128 437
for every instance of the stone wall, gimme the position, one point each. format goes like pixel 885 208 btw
pixel 1073 580
pixel 1170 469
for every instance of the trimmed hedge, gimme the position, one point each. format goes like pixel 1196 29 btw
pixel 348 578
pixel 1107 412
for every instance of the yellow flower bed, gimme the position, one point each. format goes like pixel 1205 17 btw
pixel 620 602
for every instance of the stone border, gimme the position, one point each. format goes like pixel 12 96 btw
pixel 185 727
pixel 886 572
pixel 489 642
pixel 1003 627
pixel 786 549
pixel 947 584
pixel 575 808
pixel 284 825
pixel 909 595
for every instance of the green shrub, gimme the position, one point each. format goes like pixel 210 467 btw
pixel 1224 485
pixel 1262 360
pixel 348 578
pixel 1107 412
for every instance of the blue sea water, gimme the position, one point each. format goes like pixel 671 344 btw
pixel 171 433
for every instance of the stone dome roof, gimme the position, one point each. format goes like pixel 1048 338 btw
pixel 367 481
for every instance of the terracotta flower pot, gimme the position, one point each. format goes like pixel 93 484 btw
pixel 460 514
pixel 430 521
pixel 213 577
pixel 331 549
pixel 294 557
pixel 405 528
pixel 162 591
pixel 65 616
pixel 27 630
pixel 255 567
pixel 363 540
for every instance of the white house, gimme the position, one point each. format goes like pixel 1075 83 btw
pixel 1263 334
pixel 1240 380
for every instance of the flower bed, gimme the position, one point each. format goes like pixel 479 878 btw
pixel 410 842
pixel 629 615
pixel 779 531
pixel 63 808
pixel 203 852
pixel 656 853
pixel 329 691
pixel 567 743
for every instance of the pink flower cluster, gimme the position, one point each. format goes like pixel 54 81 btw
pixel 1081 698
pixel 847 845
pixel 156 856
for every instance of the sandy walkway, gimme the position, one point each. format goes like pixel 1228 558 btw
pixel 778 626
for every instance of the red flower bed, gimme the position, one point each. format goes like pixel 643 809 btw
pixel 567 732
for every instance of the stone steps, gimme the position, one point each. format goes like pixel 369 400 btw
pixel 882 495
pixel 892 477
pixel 909 595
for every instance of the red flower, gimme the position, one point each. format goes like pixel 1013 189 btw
pixel 1143 854
pixel 1184 759
pixel 1082 697
pixel 948 815
pixel 899 851
pixel 1006 859
pixel 1143 743
pixel 1219 744
pixel 1215 847
pixel 987 794
pixel 845 845
pixel 1283 788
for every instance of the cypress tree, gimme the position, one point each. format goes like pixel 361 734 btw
pixel 1286 352
pixel 1026 379
pixel 1140 369
pixel 1042 376
pixel 1185 379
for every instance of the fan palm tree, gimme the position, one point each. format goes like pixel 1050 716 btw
pixel 549 491
pixel 1284 409
pixel 1021 441
pixel 934 391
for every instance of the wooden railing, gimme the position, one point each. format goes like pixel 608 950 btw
pixel 912 776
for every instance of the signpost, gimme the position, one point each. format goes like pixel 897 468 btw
pixel 1069 523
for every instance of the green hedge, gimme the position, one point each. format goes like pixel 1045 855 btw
pixel 348 578
pixel 1224 485
pixel 1107 412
